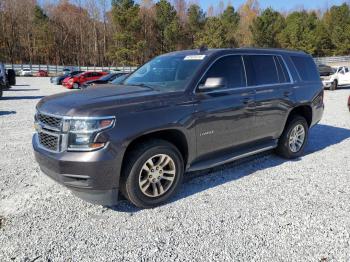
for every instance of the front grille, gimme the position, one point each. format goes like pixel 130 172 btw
pixel 50 121
pixel 48 141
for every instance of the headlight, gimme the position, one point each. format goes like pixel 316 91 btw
pixel 82 132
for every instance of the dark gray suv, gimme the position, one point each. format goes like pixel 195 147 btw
pixel 180 112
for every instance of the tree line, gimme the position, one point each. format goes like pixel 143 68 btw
pixel 123 32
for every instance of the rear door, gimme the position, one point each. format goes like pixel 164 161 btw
pixel 224 116
pixel 269 76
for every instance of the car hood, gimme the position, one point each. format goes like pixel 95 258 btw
pixel 100 101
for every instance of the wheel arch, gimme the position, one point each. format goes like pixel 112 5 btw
pixel 301 110
pixel 173 136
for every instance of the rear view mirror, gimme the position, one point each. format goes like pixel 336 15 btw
pixel 213 83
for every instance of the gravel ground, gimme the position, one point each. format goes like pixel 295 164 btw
pixel 263 209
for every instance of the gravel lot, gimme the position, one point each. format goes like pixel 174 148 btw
pixel 263 209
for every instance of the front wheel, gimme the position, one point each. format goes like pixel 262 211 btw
pixel 153 173
pixel 75 86
pixel 334 85
pixel 294 137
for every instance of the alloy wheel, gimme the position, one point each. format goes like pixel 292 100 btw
pixel 297 138
pixel 157 175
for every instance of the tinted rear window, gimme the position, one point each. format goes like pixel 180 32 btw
pixel 306 68
pixel 261 70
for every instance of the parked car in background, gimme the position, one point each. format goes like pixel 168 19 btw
pixel 26 72
pixel 326 75
pixel 41 73
pixel 57 80
pixel 116 82
pixel 103 80
pixel 77 80
pixel 181 112
pixel 7 78
pixel 119 80
pixel 339 76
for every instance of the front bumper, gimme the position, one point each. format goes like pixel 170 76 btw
pixel 92 176
pixel 327 83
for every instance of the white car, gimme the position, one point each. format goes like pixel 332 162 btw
pixel 339 77
pixel 26 72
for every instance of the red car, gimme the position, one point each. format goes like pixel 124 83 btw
pixel 76 81
pixel 41 73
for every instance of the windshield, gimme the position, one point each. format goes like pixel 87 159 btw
pixel 168 73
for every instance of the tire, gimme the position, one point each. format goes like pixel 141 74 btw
pixel 334 85
pixel 11 77
pixel 75 86
pixel 284 148
pixel 134 174
pixel 1 91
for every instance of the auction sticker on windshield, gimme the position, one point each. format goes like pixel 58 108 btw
pixel 194 57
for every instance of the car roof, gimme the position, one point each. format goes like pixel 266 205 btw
pixel 248 50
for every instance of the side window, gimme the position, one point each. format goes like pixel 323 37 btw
pixel 228 71
pixel 261 70
pixel 346 70
pixel 306 68
pixel 282 70
pixel 87 75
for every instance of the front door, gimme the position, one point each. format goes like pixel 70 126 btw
pixel 224 114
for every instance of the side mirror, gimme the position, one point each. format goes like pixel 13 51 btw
pixel 213 83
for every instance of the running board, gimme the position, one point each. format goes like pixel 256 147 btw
pixel 235 155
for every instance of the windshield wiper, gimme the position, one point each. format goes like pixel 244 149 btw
pixel 144 85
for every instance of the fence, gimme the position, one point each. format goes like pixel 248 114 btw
pixel 56 69
pixel 333 60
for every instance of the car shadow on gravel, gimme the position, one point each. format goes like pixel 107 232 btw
pixel 4 113
pixel 321 137
pixel 21 97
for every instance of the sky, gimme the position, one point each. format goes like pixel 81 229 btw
pixel 281 5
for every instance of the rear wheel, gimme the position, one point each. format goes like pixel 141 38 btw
pixel 294 137
pixel 334 85
pixel 152 174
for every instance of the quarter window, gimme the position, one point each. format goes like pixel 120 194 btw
pixel 306 68
pixel 229 70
